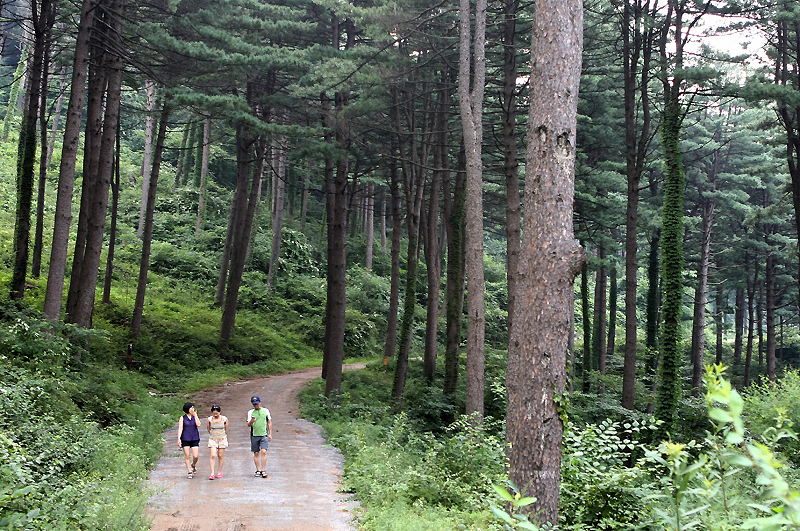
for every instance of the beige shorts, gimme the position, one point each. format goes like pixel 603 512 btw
pixel 218 443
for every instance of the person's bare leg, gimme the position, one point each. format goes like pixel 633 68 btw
pixel 221 461
pixel 264 461
pixel 255 461
pixel 195 456
pixel 187 456
pixel 212 459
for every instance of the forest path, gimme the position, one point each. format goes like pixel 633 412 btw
pixel 302 492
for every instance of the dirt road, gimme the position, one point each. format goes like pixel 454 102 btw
pixel 301 493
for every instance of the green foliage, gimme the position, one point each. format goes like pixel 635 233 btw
pixel 599 490
pixel 393 467
pixel 59 469
pixel 734 482
pixel 766 402
pixel 513 519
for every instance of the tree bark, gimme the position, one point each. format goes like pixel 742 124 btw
pixel 250 165
pixel 66 176
pixel 149 131
pixel 201 195
pixel 550 260
pixel 36 264
pixel 27 149
pixel 147 232
pixel 85 297
pixel 600 302
pixel 112 233
pixel 701 298
pixel 472 75
pixel 279 193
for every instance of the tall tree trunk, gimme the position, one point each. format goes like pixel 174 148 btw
pixel 370 225
pixel 181 156
pixel 738 324
pixel 66 178
pixel 751 319
pixel 279 190
pixel 454 285
pixel 701 298
pixel 472 75
pixel 510 165
pixel 147 233
pixel 98 87
pixel 26 156
pixel 652 318
pixel 250 166
pixel 149 131
pixel 770 299
pixel 431 225
pixel 600 303
pixel 718 324
pixel 612 309
pixel 112 233
pixel 550 259
pixel 637 138
pixel 36 264
pixel 396 200
pixel 201 195
pixel 587 330
pixel 62 87
pixel 84 303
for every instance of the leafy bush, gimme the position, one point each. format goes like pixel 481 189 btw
pixel 767 401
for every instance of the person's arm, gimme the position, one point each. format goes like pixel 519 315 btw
pixel 226 426
pixel 208 424
pixel 250 419
pixel 196 418
pixel 180 429
pixel 269 429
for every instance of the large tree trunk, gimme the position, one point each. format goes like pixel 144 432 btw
pixel 431 235
pixel 112 233
pixel 414 163
pixel 751 318
pixel 396 201
pixel 27 149
pixel 550 259
pixel 738 325
pixel 201 195
pixel 588 365
pixel 62 87
pixel 770 299
pixel 98 87
pixel 611 340
pixel 472 74
pixel 637 138
pixel 66 177
pixel 454 285
pixel 249 169
pixel 600 302
pixel 147 232
pixel 149 131
pixel 510 165
pixel 279 200
pixel 36 264
pixel 85 294
pixel 701 298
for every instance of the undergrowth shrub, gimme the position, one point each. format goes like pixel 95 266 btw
pixel 766 401
pixel 76 438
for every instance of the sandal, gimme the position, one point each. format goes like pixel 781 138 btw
pixel 189 475
pixel 219 476
pixel 211 476
pixel 264 474
pixel 194 470
pixel 258 474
